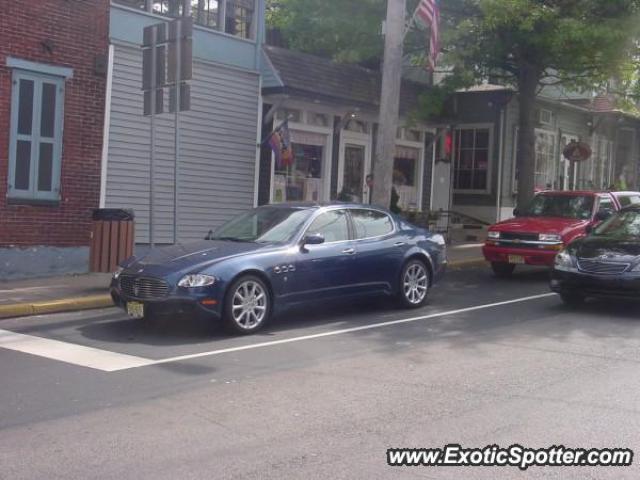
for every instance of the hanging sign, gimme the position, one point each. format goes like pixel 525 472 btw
pixel 577 151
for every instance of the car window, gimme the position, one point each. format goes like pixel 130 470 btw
pixel 370 223
pixel 560 205
pixel 624 226
pixel 606 204
pixel 626 200
pixel 332 225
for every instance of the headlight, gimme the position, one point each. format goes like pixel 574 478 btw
pixel 493 235
pixel 196 280
pixel 564 261
pixel 117 273
pixel 549 237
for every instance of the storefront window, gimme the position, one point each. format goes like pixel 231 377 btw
pixel 303 180
pixel 545 160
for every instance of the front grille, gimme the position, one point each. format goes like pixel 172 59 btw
pixel 601 268
pixel 519 236
pixel 143 288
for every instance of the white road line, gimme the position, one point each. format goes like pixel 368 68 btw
pixel 112 362
pixel 70 352
pixel 348 330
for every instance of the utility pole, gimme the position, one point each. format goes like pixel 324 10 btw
pixel 389 103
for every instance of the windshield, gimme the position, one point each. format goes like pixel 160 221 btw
pixel 625 225
pixel 263 225
pixel 566 206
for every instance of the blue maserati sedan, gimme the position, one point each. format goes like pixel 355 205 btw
pixel 276 256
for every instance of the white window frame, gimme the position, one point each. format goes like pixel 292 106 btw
pixel 475 126
pixel 420 167
pixel 327 154
pixel 516 132
pixel 35 138
pixel 552 153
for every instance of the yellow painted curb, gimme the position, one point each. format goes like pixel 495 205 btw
pixel 472 262
pixel 53 306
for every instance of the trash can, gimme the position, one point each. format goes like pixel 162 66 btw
pixel 111 238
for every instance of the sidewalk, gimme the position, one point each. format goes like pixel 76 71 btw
pixel 85 292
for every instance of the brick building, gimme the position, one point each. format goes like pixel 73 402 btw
pixel 53 63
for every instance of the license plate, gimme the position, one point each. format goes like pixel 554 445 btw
pixel 135 309
pixel 516 259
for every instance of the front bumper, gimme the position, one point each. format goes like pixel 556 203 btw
pixel 531 256
pixel 178 301
pixel 588 285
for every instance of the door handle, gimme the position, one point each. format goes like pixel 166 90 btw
pixel 349 251
pixel 399 244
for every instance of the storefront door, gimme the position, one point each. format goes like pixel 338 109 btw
pixel 354 167
pixel 353 179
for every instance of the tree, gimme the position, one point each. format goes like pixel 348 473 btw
pixel 530 44
pixel 344 30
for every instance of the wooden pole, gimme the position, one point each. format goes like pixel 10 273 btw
pixel 389 103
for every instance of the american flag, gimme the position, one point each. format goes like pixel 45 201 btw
pixel 428 13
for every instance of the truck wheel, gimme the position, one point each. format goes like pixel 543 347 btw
pixel 502 270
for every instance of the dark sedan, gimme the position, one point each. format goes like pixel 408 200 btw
pixel 276 256
pixel 606 263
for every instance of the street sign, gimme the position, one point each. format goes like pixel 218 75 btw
pixel 577 151
pixel 167 61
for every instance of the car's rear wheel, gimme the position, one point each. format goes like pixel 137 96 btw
pixel 502 270
pixel 572 299
pixel 414 284
pixel 247 305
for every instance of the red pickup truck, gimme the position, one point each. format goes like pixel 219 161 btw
pixel 539 231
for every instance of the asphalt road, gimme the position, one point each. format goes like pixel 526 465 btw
pixel 322 392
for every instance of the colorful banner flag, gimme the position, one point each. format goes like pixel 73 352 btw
pixel 280 143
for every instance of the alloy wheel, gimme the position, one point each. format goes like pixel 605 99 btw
pixel 249 305
pixel 415 283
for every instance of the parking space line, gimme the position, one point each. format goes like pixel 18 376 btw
pixel 348 330
pixel 107 361
pixel 70 352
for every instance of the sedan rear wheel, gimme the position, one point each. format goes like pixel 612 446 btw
pixel 414 284
pixel 247 306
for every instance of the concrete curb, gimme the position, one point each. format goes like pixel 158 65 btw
pixel 55 306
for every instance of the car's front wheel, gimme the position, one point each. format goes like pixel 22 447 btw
pixel 414 284
pixel 247 305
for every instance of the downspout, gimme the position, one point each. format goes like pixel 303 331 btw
pixel 500 162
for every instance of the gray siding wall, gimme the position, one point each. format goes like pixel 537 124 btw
pixel 565 121
pixel 217 155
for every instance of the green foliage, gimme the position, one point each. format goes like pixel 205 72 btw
pixel 580 43
pixel 345 30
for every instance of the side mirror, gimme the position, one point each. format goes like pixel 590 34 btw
pixel 313 239
pixel 516 212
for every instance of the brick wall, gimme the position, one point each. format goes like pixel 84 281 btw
pixel 77 32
